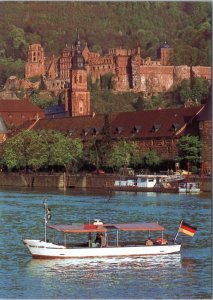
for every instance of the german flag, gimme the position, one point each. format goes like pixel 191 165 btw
pixel 187 229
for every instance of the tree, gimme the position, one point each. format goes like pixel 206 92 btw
pixel 23 151
pixel 185 90
pixel 60 150
pixel 189 150
pixel 36 150
pixel 199 89
pixel 151 159
pixel 123 153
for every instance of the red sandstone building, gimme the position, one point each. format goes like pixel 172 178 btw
pixel 130 72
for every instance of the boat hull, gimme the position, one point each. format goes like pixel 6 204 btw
pixel 40 249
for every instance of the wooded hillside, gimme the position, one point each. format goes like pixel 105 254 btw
pixel 186 26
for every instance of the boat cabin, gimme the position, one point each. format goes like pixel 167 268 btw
pixel 111 235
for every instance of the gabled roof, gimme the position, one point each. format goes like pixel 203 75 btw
pixel 167 123
pixel 16 112
pixel 153 123
pixel 18 106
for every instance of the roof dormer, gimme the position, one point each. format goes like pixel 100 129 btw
pixel 119 129
pixel 137 128
pixel 86 131
pixel 156 127
pixel 175 127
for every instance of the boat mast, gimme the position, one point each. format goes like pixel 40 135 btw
pixel 45 220
pixel 47 216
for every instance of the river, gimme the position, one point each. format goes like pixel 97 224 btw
pixel 179 276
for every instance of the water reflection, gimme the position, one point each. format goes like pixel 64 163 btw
pixel 94 265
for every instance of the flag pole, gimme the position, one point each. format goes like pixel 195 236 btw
pixel 178 230
pixel 45 219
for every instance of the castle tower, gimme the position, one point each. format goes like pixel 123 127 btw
pixel 80 96
pixel 35 61
pixel 165 53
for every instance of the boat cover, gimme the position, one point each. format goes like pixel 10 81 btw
pixel 137 226
pixel 77 228
pixel 103 228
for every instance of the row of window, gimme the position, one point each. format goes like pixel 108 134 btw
pixel 119 129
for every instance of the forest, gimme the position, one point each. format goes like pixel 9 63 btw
pixel 186 26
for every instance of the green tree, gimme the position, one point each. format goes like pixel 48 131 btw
pixel 9 67
pixel 21 151
pixel 60 150
pixel 18 42
pixel 189 149
pixel 151 159
pixel 199 89
pixel 35 150
pixel 123 153
pixel 185 90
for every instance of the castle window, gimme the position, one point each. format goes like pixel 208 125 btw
pixel 80 79
pixel 81 106
pixel 75 79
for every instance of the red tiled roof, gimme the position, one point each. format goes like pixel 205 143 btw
pixel 165 123
pixel 16 112
pixel 152 123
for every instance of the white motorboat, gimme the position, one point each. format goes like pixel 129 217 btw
pixel 189 187
pixel 110 243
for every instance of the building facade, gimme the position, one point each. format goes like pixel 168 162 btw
pixel 130 72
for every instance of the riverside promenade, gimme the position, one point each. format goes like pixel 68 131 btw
pixel 64 181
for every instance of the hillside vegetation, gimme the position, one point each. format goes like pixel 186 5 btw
pixel 186 26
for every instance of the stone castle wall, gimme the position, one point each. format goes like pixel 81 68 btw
pixel 130 71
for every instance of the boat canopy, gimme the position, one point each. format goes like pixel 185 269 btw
pixel 77 228
pixel 137 226
pixel 103 228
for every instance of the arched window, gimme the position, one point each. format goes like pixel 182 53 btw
pixel 80 79
pixel 81 107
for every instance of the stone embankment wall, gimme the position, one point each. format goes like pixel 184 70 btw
pixel 59 180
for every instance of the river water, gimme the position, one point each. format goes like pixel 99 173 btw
pixel 179 276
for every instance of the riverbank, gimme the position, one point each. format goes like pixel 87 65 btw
pixel 63 181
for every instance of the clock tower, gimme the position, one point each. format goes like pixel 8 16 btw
pixel 80 96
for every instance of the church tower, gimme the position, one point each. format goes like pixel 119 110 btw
pixel 80 96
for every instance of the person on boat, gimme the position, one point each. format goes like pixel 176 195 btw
pixel 161 241
pixel 149 242
pixel 100 240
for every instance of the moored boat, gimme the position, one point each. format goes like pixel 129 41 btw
pixel 189 187
pixel 109 244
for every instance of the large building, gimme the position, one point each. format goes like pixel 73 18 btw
pixel 130 72
pixel 158 130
